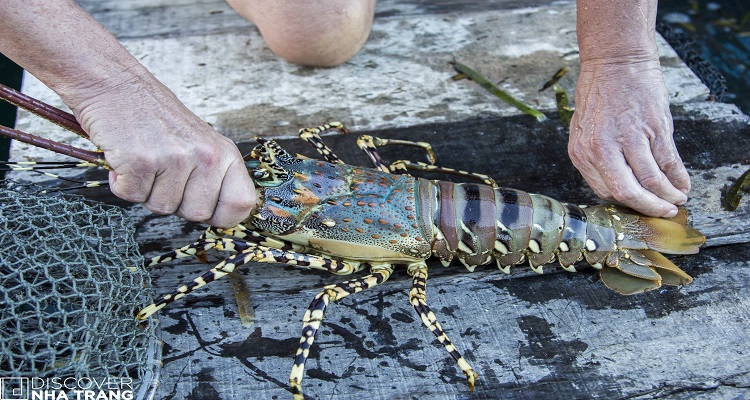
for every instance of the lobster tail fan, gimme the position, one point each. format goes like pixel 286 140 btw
pixel 623 283
pixel 638 271
pixel 665 235
pixel 638 265
pixel 669 272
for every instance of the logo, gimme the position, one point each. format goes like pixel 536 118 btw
pixel 14 388
pixel 69 388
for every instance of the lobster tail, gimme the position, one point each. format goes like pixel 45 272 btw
pixel 477 224
pixel 633 263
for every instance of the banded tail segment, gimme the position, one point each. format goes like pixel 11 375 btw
pixel 478 224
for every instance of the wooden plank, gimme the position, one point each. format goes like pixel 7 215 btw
pixel 557 335
pixel 165 18
pixel 553 336
pixel 400 78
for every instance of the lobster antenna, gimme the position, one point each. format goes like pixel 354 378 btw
pixel 94 157
pixel 42 109
pixel 55 115
pixel 270 173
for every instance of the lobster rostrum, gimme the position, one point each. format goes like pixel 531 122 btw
pixel 342 219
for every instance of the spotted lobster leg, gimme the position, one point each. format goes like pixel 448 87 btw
pixel 418 299
pixel 247 251
pixel 222 240
pixel 379 273
pixel 312 136
pixel 369 145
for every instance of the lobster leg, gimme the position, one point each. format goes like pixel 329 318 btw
pixel 216 238
pixel 402 166
pixel 312 136
pixel 202 244
pixel 369 145
pixel 43 168
pixel 379 273
pixel 247 252
pixel 417 298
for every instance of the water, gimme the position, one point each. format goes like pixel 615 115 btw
pixel 721 29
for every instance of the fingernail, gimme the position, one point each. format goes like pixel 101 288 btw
pixel 685 191
pixel 671 213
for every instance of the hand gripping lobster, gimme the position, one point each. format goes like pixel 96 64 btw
pixel 339 218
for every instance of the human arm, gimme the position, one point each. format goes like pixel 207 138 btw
pixel 621 132
pixel 162 155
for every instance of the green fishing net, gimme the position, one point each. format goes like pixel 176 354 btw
pixel 70 282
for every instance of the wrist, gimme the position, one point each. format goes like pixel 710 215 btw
pixel 85 86
pixel 613 30
pixel 623 65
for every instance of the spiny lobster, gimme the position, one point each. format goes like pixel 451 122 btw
pixel 340 218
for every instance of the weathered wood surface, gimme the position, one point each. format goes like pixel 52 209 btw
pixel 557 336
pixel 219 66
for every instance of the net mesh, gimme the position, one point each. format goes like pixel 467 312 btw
pixel 685 47
pixel 70 282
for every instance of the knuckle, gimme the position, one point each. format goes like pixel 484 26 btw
pixel 162 204
pixel 575 154
pixel 599 147
pixel 161 208
pixel 670 163
pixel 232 212
pixel 578 153
pixel 244 204
pixel 200 210
pixel 123 189
pixel 208 155
pixel 652 181
pixel 196 214
pixel 603 194
pixel 624 195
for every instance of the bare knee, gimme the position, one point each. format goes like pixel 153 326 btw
pixel 311 32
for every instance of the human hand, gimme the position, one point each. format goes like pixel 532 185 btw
pixel 621 137
pixel 164 156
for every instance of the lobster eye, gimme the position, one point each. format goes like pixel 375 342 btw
pixel 266 178
pixel 260 174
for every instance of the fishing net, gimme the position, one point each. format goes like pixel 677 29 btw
pixel 70 282
pixel 685 47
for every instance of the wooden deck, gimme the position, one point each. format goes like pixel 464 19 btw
pixel 529 336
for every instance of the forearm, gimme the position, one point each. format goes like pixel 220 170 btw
pixel 65 48
pixel 617 31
